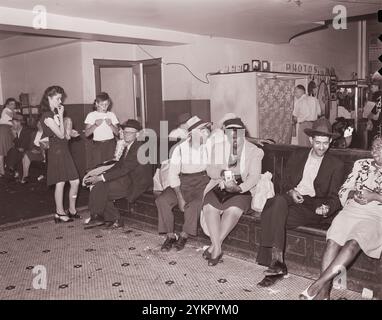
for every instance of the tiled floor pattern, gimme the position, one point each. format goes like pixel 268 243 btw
pixel 125 264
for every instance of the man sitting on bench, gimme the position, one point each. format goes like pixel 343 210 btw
pixel 312 178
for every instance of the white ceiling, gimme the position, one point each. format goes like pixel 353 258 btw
pixel 274 21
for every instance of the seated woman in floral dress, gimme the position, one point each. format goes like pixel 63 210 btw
pixel 358 227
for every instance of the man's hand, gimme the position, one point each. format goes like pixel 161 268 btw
pixel 20 149
pixel 92 179
pixel 296 196
pixel 181 203
pixel 98 122
pixel 231 186
pixel 323 210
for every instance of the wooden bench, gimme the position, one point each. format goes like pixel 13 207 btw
pixel 305 245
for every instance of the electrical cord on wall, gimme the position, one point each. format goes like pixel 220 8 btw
pixel 207 81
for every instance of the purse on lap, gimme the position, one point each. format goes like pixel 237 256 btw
pixel 223 195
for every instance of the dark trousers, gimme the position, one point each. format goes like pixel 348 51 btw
pixel 102 196
pixel 14 159
pixel 281 213
pixel 102 151
pixel 192 187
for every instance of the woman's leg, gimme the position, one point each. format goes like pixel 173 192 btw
pixel 213 221
pixel 342 260
pixel 59 197
pixel 73 195
pixel 229 220
pixel 26 164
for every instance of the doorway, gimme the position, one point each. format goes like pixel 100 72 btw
pixel 135 88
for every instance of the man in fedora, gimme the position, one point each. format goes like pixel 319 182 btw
pixel 21 144
pixel 128 178
pixel 312 179
pixel 187 178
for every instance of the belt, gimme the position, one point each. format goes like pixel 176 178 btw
pixel 194 173
pixel 102 141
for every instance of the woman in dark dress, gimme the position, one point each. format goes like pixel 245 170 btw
pixel 61 167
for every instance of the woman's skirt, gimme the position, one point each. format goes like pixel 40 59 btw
pixel 362 223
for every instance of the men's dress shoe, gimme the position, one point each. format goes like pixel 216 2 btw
pixel 179 245
pixel 270 280
pixel 117 224
pixel 276 268
pixel 167 244
pixel 94 222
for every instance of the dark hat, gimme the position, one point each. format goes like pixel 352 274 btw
pixel 18 117
pixel 132 123
pixel 182 118
pixel 235 123
pixel 321 127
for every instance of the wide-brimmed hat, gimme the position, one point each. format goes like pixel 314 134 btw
pixel 196 123
pixel 321 127
pixel 132 123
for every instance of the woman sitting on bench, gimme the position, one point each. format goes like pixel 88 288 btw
pixel 357 227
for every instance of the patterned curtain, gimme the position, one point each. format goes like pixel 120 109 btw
pixel 275 103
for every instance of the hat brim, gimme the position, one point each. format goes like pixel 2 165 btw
pixel 199 126
pixel 312 133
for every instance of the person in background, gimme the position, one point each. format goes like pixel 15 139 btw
pixel 358 227
pixel 312 180
pixel 21 144
pixel 35 153
pixel 61 167
pixel 306 111
pixel 242 159
pixel 188 178
pixel 180 132
pixel 103 125
pixel 6 136
pixel 127 178
pixel 375 115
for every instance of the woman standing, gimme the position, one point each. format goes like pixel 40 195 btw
pixel 235 167
pixel 6 136
pixel 61 167
pixel 358 227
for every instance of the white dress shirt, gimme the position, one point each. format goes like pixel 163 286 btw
pixel 306 108
pixel 312 165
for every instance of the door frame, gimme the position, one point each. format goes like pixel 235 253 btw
pixel 111 63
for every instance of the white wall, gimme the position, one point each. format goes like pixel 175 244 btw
pixel 33 72
pixel 326 48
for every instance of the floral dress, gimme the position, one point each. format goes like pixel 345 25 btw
pixel 362 223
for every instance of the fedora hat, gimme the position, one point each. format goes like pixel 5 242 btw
pixel 132 123
pixel 321 127
pixel 196 123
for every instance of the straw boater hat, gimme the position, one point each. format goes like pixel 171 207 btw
pixel 321 127
pixel 196 123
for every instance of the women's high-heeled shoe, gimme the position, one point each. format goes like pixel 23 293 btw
pixel 305 295
pixel 73 215
pixel 62 218
pixel 214 261
pixel 206 254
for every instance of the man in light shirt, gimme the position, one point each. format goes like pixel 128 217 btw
pixel 312 179
pixel 187 178
pixel 306 110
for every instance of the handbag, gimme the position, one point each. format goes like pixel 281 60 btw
pixel 263 191
pixel 223 195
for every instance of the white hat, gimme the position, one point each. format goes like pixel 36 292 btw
pixel 196 123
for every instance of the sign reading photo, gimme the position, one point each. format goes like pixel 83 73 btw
pixel 297 67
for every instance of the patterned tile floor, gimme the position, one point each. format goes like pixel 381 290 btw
pixel 124 264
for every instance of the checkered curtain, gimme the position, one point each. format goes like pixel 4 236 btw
pixel 275 103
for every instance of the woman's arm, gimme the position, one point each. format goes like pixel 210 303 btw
pixel 58 130
pixel 348 188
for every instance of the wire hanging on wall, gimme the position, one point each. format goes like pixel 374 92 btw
pixel 207 81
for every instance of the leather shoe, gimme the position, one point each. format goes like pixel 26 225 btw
pixel 276 268
pixel 214 261
pixel 94 222
pixel 115 224
pixel 179 245
pixel 270 280
pixel 167 244
pixel 206 254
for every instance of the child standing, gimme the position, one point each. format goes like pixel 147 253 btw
pixel 103 124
